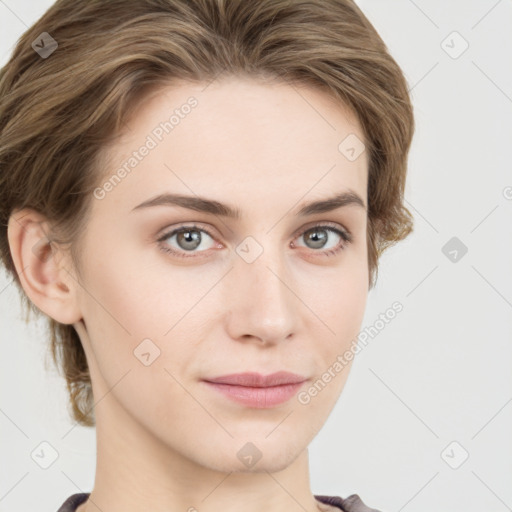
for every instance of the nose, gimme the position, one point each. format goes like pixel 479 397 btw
pixel 261 304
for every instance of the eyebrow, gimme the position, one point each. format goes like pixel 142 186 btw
pixel 202 204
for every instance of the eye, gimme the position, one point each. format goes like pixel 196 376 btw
pixel 318 237
pixel 188 239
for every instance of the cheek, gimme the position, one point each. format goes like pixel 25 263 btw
pixel 351 289
pixel 339 306
pixel 350 300
pixel 133 307
pixel 118 308
pixel 338 295
pixel 122 291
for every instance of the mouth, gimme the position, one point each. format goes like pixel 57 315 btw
pixel 258 391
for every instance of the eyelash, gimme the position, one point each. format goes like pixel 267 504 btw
pixel 344 234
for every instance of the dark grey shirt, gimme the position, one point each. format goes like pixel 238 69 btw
pixel 351 504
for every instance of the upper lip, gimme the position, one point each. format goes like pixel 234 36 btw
pixel 256 380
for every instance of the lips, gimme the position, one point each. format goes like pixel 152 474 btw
pixel 255 390
pixel 256 380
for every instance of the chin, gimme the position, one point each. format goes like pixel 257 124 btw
pixel 258 456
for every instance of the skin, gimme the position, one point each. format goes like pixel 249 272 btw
pixel 165 440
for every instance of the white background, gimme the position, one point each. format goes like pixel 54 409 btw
pixel 439 372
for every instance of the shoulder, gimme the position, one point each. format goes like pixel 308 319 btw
pixel 71 503
pixel 351 504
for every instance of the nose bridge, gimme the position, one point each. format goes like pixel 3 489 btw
pixel 262 304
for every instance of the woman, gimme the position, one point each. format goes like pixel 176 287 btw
pixel 196 193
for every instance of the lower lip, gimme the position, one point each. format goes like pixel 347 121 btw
pixel 260 398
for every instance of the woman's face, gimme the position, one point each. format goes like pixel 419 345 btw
pixel 270 290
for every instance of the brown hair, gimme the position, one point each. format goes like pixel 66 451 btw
pixel 58 112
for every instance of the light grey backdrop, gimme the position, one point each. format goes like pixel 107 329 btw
pixel 425 420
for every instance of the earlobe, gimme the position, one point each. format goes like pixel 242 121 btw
pixel 43 269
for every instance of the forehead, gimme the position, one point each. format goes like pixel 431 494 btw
pixel 239 137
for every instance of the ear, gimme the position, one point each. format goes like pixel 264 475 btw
pixel 45 271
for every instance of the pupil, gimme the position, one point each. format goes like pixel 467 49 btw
pixel 189 237
pixel 317 240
